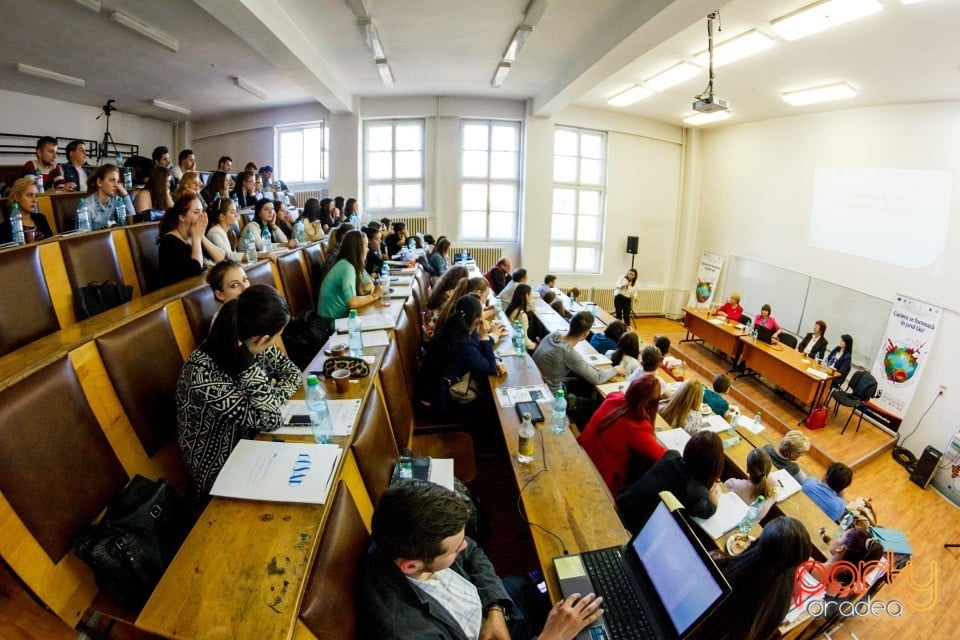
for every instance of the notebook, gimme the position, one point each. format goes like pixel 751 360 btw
pixel 659 586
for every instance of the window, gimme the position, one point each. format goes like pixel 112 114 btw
pixel 578 200
pixel 393 165
pixel 303 152
pixel 489 180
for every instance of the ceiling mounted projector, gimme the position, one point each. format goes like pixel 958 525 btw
pixel 707 102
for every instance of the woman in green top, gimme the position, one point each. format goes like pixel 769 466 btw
pixel 347 285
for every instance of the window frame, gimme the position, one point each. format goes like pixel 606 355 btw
pixel 280 129
pixel 393 181
pixel 490 181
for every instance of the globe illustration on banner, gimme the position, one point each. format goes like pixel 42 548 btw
pixel 900 362
pixel 703 290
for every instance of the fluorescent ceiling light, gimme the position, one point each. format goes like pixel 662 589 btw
pixel 821 16
pixel 674 75
pixel 372 38
pixel 169 106
pixel 46 74
pixel 631 95
pixel 146 30
pixel 733 49
pixel 516 43
pixel 909 1
pixel 386 75
pixel 249 87
pixel 93 5
pixel 706 118
pixel 501 74
pixel 825 93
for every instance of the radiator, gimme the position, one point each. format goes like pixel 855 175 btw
pixel 303 196
pixel 485 257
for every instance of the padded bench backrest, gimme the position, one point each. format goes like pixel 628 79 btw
pixel 294 281
pixel 395 394
pixel 145 251
pixel 26 310
pixel 90 257
pixel 374 446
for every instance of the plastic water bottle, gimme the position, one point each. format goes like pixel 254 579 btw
pixel 558 423
pixel 385 273
pixel 756 421
pixel 527 444
pixel 120 210
pixel 298 229
pixel 266 237
pixel 127 179
pixel 355 334
pixel 731 441
pixel 519 344
pixel 250 244
pixel 753 514
pixel 16 224
pixel 83 217
pixel 320 423
pixel 236 201
pixel 119 158
pixel 39 180
pixel 845 523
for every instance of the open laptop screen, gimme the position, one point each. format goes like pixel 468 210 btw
pixel 676 568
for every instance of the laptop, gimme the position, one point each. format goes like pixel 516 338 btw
pixel 660 586
pixel 764 334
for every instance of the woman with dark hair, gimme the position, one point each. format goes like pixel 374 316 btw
pixel 467 286
pixel 692 478
pixel 312 227
pixel 438 257
pixel 627 353
pixel 228 280
pixel 333 248
pixel 610 337
pixel 182 241
pixel 374 262
pixel 623 295
pixel 326 218
pixel 350 209
pixel 439 295
pixel 762 582
pixel 840 358
pixel 462 345
pixel 285 221
pixel 245 190
pixel 347 286
pixel 154 198
pixel 216 186
pixel 764 319
pixel 517 312
pixel 396 240
pixel 109 198
pixel 222 221
pixel 857 547
pixel 338 206
pixel 814 344
pixel 619 437
pixel 233 385
pixel 265 217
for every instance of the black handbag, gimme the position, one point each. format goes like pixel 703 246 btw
pixel 134 542
pixel 303 337
pixel 98 297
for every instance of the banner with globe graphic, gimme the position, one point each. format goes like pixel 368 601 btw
pixel 711 264
pixel 906 345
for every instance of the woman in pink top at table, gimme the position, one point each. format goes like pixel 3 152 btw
pixel 764 319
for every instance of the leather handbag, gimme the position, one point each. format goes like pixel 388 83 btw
pixel 98 297
pixel 817 418
pixel 131 546
pixel 462 390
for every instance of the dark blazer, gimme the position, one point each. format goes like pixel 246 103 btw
pixel 842 364
pixel 70 173
pixel 390 608
pixel 819 348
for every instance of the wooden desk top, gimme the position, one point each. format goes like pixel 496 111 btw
pixel 790 357
pixel 724 325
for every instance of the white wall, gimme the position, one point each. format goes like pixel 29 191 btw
pixel 755 201
pixel 33 115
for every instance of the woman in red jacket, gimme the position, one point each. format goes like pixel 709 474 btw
pixel 619 437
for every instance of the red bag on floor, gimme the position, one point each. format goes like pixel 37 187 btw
pixel 817 418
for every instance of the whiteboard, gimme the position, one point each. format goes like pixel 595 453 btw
pixel 844 310
pixel 759 283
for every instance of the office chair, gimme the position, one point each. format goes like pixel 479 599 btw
pixel 788 339
pixel 861 389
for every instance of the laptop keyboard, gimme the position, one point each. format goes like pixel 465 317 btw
pixel 622 609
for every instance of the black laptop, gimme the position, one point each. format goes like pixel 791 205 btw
pixel 764 334
pixel 660 586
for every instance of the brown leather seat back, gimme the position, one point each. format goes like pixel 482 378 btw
pixel 65 210
pixel 200 306
pixel 294 282
pixel 329 607
pixel 314 255
pixel 418 298
pixel 142 239
pixel 374 446
pixel 395 394
pixel 26 311
pixel 90 257
pixel 143 361
pixel 57 469
pixel 408 339
pixel 261 273
pixel 424 279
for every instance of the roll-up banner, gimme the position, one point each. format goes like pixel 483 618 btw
pixel 707 275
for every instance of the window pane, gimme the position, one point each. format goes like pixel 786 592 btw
pixel 564 169
pixel 380 165
pixel 409 137
pixel 591 145
pixel 473 197
pixel 474 164
pixel 587 259
pixel 565 142
pixel 503 225
pixel 313 154
pixel 588 229
pixel 409 196
pixel 475 137
pixel 505 138
pixel 504 165
pixel 409 164
pixel 561 258
pixel 473 225
pixel 291 155
pixel 590 203
pixel 590 171
pixel 503 197
pixel 564 200
pixel 379 137
pixel 379 196
pixel 562 227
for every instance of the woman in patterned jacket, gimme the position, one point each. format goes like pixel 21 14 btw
pixel 234 384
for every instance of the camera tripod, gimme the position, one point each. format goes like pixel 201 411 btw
pixel 107 141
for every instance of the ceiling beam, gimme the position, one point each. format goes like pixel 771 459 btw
pixel 632 31
pixel 266 27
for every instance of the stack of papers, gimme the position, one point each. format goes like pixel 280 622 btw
pixel 597 359
pixel 817 373
pixel 748 424
pixel 400 292
pixel 278 471
pixel 375 338
pixel 675 439
pixel 404 271
pixel 509 396
pixel 714 423
pixel 369 322
pixel 784 484
pixel 730 511
pixel 343 413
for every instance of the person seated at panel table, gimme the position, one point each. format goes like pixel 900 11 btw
pixel 620 436
pixel 186 161
pixel 246 190
pixel 216 187
pixel 347 286
pixel 499 275
pixel 151 201
pixel 438 260
pixel 762 582
pixel 814 344
pixel 46 165
pixel 109 198
pixel 682 410
pixel 828 495
pixel 764 319
pixel 35 226
pixel 549 282
pixel 757 483
pixel 506 294
pixel 397 239
pixel 182 241
pixel 610 337
pixel 424 578
pixel 440 293
pixel 693 478
pixel 312 227
pixel 731 309
pixel 75 171
pixel 234 384
pixel 793 445
pixel 556 357
pixel 627 353
pixel 265 217
pixel 840 358
pixel 517 312
pixel 714 397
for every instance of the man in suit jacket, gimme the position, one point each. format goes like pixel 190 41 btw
pixel 814 343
